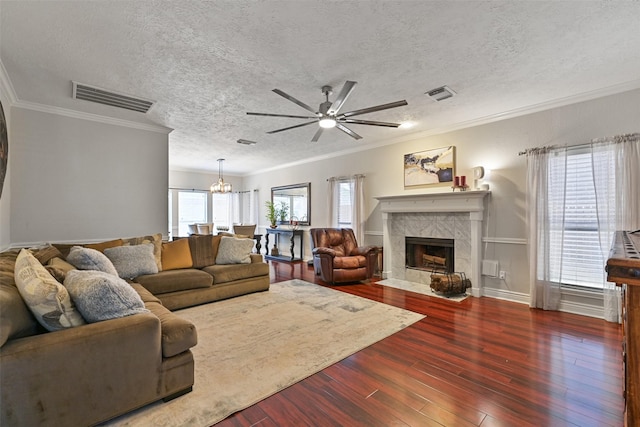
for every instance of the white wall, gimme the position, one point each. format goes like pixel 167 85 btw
pixel 80 180
pixel 495 146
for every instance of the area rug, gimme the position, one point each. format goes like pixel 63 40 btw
pixel 253 346
pixel 420 288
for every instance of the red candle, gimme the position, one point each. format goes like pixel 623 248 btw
pixel 456 181
pixel 463 181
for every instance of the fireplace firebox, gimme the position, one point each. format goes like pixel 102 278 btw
pixel 429 254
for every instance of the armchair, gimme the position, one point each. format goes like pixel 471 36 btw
pixel 337 258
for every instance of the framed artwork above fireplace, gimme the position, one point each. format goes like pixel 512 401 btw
pixel 429 167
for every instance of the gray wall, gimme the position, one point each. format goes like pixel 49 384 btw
pixel 79 180
pixel 494 146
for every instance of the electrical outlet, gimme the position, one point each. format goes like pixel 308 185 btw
pixel 503 274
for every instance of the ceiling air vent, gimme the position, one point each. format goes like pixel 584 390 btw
pixel 102 96
pixel 440 93
pixel 246 142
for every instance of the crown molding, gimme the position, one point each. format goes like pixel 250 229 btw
pixel 91 117
pixel 517 112
pixel 7 88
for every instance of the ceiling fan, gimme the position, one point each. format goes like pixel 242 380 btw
pixel 328 115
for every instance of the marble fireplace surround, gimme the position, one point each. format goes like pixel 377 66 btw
pixel 454 215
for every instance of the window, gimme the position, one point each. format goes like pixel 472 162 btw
pixel 221 210
pixel 575 255
pixel 344 204
pixel 192 209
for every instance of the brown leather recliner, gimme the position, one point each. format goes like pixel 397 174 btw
pixel 337 258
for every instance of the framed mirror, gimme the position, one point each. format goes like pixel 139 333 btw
pixel 296 200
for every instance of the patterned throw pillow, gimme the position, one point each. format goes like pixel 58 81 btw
pixel 100 296
pixel 133 261
pixel 47 299
pixel 90 259
pixel 234 251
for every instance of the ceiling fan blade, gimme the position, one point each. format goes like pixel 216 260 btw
pixel 293 127
pixel 370 122
pixel 292 99
pixel 372 109
pixel 342 96
pixel 281 115
pixel 316 137
pixel 348 131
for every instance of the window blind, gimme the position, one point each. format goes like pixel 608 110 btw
pixel 575 241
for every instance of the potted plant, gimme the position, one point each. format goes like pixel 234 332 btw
pixel 272 214
pixel 283 213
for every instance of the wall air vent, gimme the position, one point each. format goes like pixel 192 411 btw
pixel 440 93
pixel 102 96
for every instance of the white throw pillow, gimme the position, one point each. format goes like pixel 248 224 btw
pixel 47 299
pixel 101 296
pixel 90 259
pixel 234 251
pixel 133 261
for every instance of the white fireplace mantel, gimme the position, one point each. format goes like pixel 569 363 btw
pixel 463 201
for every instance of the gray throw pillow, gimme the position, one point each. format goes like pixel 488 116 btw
pixel 90 259
pixel 100 296
pixel 234 251
pixel 133 261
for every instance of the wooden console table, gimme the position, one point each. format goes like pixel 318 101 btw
pixel 291 235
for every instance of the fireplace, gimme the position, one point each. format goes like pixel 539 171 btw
pixel 429 254
pixel 447 215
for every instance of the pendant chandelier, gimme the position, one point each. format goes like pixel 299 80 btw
pixel 220 186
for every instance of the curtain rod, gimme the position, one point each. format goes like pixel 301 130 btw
pixel 346 177
pixel 625 137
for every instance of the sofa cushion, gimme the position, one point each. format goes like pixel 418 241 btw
pixel 231 272
pixel 90 259
pixel 204 249
pixel 234 251
pixel 178 334
pixel 104 245
pixel 176 254
pixel 350 261
pixel 155 239
pixel 47 299
pixel 101 296
pixel 61 264
pixel 145 295
pixel 133 261
pixel 175 280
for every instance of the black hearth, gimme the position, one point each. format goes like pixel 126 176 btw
pixel 429 254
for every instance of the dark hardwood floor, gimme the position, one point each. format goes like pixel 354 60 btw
pixel 482 362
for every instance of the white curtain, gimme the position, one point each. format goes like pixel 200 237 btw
pixel 254 210
pixel 357 207
pixel 544 293
pixel 333 202
pixel 621 212
pixel 617 207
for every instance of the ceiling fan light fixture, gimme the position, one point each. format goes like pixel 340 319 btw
pixel 327 122
pixel 220 186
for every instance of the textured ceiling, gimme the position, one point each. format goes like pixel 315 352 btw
pixel 208 63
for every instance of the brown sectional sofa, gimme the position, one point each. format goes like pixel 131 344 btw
pixel 94 372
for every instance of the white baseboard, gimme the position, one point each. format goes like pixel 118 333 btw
pixel 565 306
pixel 582 309
pixel 502 294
